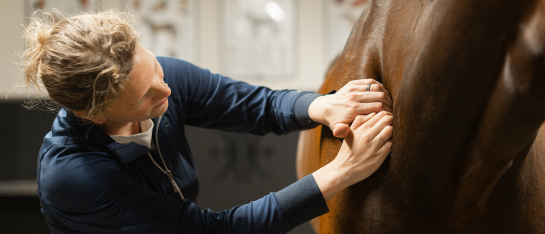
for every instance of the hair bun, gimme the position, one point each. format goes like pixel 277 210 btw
pixel 82 60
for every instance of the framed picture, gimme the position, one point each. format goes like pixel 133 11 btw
pixel 258 40
pixel 339 18
pixel 168 27
pixel 64 6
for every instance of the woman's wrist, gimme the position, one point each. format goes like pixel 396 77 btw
pixel 316 110
pixel 331 180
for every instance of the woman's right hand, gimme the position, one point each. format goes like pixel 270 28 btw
pixel 361 154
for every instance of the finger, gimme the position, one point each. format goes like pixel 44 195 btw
pixel 366 97
pixel 385 134
pixel 381 124
pixel 372 123
pixel 375 85
pixel 366 108
pixel 384 151
pixel 363 82
pixel 380 88
pixel 361 119
pixel 361 86
pixel 341 130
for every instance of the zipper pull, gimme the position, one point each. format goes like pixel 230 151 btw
pixel 174 185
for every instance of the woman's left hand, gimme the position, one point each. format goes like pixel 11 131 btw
pixel 339 110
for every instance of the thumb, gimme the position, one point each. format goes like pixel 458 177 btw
pixel 340 130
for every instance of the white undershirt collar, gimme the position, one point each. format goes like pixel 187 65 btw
pixel 142 138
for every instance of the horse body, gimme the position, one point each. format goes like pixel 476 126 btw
pixel 467 79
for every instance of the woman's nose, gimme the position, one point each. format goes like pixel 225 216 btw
pixel 165 89
pixel 162 90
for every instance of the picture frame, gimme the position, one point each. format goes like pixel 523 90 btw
pixel 258 40
pixel 168 27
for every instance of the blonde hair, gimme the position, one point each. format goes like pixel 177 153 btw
pixel 82 60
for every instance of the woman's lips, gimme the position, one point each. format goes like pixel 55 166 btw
pixel 161 103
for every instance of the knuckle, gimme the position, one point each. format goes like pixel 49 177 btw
pixel 359 118
pixel 389 145
pixel 353 107
pixel 382 114
pixel 380 106
pixel 388 131
pixel 367 138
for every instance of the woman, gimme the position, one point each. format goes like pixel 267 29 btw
pixel 117 161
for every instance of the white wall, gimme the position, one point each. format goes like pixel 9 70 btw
pixel 12 15
pixel 311 65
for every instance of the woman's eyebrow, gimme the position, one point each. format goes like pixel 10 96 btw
pixel 140 102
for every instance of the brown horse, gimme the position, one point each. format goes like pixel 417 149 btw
pixel 467 78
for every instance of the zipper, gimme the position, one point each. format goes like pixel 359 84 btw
pixel 166 170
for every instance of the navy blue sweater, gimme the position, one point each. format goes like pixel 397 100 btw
pixel 88 183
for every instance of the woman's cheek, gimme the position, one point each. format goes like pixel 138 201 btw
pixel 144 109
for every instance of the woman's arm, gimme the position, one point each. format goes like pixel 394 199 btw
pixel 214 101
pixel 209 100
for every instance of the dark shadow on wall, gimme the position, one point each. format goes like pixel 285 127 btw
pixel 21 215
pixel 21 135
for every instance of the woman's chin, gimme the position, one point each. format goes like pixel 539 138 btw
pixel 161 109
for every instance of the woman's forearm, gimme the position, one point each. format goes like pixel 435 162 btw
pixel 330 181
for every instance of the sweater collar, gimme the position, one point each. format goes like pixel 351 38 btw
pixel 67 124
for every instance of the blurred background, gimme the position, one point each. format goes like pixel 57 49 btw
pixel 281 44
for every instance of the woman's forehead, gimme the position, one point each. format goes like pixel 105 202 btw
pixel 143 61
pixel 143 67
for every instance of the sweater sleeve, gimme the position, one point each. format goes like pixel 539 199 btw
pixel 95 195
pixel 214 101
pixel 301 110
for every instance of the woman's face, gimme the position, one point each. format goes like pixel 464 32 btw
pixel 144 95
